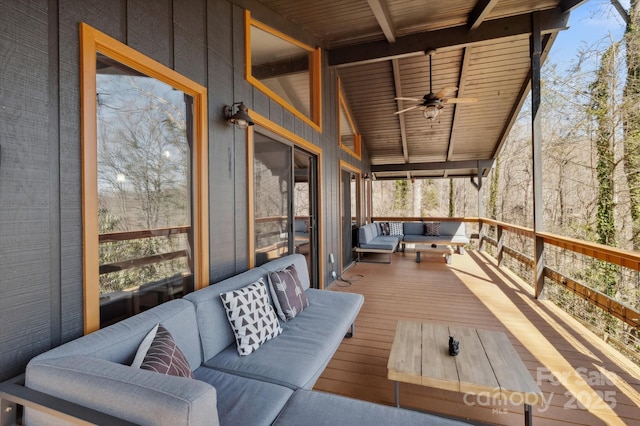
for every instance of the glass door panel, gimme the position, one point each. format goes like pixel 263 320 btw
pixel 272 199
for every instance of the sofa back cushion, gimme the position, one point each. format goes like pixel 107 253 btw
pixel 215 332
pixel 367 233
pixel 119 342
pixel 413 228
pixel 452 228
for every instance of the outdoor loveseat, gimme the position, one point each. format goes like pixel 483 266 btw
pixel 270 385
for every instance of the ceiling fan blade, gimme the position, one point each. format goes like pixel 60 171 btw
pixel 447 91
pixel 460 100
pixel 407 99
pixel 406 109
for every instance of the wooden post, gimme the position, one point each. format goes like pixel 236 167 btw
pixel 536 138
pixel 499 235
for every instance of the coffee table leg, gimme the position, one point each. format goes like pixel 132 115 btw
pixel 397 390
pixel 417 257
pixel 528 414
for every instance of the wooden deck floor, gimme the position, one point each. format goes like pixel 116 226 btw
pixel 584 380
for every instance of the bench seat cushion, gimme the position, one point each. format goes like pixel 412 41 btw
pixel 298 356
pixel 382 242
pixel 243 401
pixel 324 409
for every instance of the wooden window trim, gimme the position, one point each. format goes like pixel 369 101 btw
pixel 315 72
pixel 92 41
pixel 357 139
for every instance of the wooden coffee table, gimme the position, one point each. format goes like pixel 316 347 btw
pixel 487 364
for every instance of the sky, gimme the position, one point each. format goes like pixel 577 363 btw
pixel 594 23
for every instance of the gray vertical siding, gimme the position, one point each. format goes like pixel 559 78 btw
pixel 41 299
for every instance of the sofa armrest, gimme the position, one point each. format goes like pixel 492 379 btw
pixel 139 396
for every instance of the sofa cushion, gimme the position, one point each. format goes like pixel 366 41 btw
pixel 298 356
pixel 251 316
pixel 324 409
pixel 243 401
pixel 165 357
pixel 287 293
pixel 382 242
pixel 212 321
pixel 139 396
pixel 119 342
pixel 413 228
pixel 367 233
pixel 432 229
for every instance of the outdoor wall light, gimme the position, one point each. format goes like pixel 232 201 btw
pixel 241 117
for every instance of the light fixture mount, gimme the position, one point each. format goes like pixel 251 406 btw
pixel 240 118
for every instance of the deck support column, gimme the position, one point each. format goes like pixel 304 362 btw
pixel 478 186
pixel 536 138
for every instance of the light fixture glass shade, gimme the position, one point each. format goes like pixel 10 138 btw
pixel 241 118
pixel 430 112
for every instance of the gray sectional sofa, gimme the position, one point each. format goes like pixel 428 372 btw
pixel 371 238
pixel 270 386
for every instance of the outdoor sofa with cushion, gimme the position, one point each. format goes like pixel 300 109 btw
pixel 450 233
pixel 372 240
pixel 384 237
pixel 213 383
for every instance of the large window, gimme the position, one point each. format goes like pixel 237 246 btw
pixel 144 182
pixel 285 69
pixel 348 137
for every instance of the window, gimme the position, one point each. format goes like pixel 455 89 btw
pixel 144 181
pixel 285 69
pixel 349 139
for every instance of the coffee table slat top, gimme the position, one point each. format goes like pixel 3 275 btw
pixel 405 361
pixel 474 369
pixel 438 367
pixel 487 362
pixel 509 369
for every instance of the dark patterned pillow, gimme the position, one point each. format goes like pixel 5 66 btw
pixel 165 357
pixel 432 229
pixel 384 228
pixel 395 228
pixel 251 316
pixel 287 293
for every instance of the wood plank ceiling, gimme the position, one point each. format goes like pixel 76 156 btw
pixel 378 48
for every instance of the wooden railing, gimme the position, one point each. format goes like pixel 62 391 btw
pixel 140 234
pixel 623 258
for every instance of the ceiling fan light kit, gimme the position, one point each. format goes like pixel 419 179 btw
pixel 432 103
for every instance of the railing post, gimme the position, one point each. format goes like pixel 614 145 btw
pixel 499 236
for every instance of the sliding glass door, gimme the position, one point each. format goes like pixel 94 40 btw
pixel 285 202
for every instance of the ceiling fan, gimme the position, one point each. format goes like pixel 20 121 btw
pixel 432 103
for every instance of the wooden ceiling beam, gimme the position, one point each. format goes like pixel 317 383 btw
pixel 401 119
pixel 480 12
pixel 440 165
pixel 569 5
pixel 461 83
pixel 551 20
pixel 381 12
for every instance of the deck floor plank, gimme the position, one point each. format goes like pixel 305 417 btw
pixel 583 379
